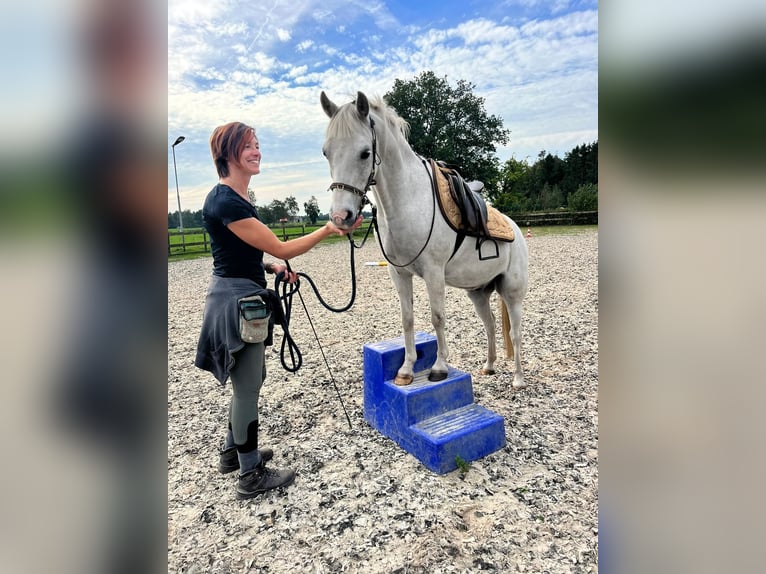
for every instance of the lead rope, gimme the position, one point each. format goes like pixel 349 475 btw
pixel 288 291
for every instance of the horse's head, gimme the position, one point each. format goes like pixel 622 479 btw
pixel 350 148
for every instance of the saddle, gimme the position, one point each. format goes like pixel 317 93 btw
pixel 464 207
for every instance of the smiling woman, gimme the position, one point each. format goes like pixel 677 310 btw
pixel 237 321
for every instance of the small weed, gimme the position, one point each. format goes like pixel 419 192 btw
pixel 462 465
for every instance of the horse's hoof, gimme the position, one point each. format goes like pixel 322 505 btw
pixel 518 384
pixel 434 376
pixel 403 380
pixel 487 371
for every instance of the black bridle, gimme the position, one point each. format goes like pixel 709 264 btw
pixel 370 179
pixel 362 193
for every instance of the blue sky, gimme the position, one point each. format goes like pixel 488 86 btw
pixel 265 63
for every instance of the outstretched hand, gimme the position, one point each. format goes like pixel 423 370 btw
pixel 335 229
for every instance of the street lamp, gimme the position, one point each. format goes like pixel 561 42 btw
pixel 178 194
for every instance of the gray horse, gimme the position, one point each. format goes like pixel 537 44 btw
pixel 367 148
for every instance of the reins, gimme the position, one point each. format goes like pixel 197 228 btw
pixel 430 231
pixel 288 290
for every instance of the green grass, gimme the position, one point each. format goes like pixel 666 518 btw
pixel 195 236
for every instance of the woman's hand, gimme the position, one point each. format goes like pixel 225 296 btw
pixel 290 276
pixel 337 230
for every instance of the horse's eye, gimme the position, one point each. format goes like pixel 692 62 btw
pixel 365 154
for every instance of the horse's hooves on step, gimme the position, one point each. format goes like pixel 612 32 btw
pixel 403 380
pixel 434 376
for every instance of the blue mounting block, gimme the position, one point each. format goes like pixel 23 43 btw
pixel 434 421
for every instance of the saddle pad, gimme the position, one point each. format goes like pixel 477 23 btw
pixel 499 227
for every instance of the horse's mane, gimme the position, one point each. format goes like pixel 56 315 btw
pixel 346 119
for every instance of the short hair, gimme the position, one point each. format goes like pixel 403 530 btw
pixel 227 142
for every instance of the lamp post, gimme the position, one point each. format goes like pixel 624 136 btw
pixel 178 194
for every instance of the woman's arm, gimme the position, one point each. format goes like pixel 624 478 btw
pixel 255 233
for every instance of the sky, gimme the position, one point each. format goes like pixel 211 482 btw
pixel 535 63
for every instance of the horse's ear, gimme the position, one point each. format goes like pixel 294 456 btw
pixel 328 107
pixel 362 105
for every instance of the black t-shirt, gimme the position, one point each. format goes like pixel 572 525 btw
pixel 232 257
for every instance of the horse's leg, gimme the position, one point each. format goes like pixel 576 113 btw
pixel 435 287
pixel 480 300
pixel 514 311
pixel 403 284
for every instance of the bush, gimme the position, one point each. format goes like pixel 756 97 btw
pixel 585 198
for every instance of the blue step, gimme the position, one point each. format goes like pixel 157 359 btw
pixel 470 432
pixel 434 421
pixel 383 359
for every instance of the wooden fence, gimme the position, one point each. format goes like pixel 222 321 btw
pixel 195 241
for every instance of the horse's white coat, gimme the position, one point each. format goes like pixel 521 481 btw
pixel 405 202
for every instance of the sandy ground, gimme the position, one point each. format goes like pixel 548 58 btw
pixel 360 503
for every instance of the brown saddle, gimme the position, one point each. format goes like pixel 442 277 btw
pixel 464 207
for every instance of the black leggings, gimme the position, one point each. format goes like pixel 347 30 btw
pixel 247 378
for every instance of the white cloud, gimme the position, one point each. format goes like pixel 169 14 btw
pixel 540 77
pixel 304 46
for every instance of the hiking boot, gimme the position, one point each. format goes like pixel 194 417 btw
pixel 262 479
pixel 229 461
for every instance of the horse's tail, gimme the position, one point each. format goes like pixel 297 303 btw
pixel 506 329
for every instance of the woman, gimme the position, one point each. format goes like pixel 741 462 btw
pixel 239 240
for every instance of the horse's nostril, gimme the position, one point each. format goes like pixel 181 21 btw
pixel 341 217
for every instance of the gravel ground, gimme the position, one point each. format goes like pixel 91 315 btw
pixel 360 503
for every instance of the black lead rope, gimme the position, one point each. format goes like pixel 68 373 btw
pixel 286 298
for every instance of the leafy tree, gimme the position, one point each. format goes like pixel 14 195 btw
pixel 550 198
pixel 311 207
pixel 585 198
pixel 278 209
pixel 291 206
pixel 581 167
pixel 265 214
pixel 450 124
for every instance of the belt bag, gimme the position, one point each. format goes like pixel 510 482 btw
pixel 254 316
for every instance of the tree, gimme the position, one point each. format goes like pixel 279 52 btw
pixel 291 206
pixel 311 207
pixel 278 209
pixel 450 124
pixel 265 214
pixel 585 198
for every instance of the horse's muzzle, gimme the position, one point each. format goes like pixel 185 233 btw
pixel 343 219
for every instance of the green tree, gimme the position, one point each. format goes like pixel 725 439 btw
pixel 585 198
pixel 311 207
pixel 580 167
pixel 550 197
pixel 291 206
pixel 450 124
pixel 278 209
pixel 265 214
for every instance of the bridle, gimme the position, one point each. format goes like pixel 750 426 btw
pixel 370 179
pixel 362 193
